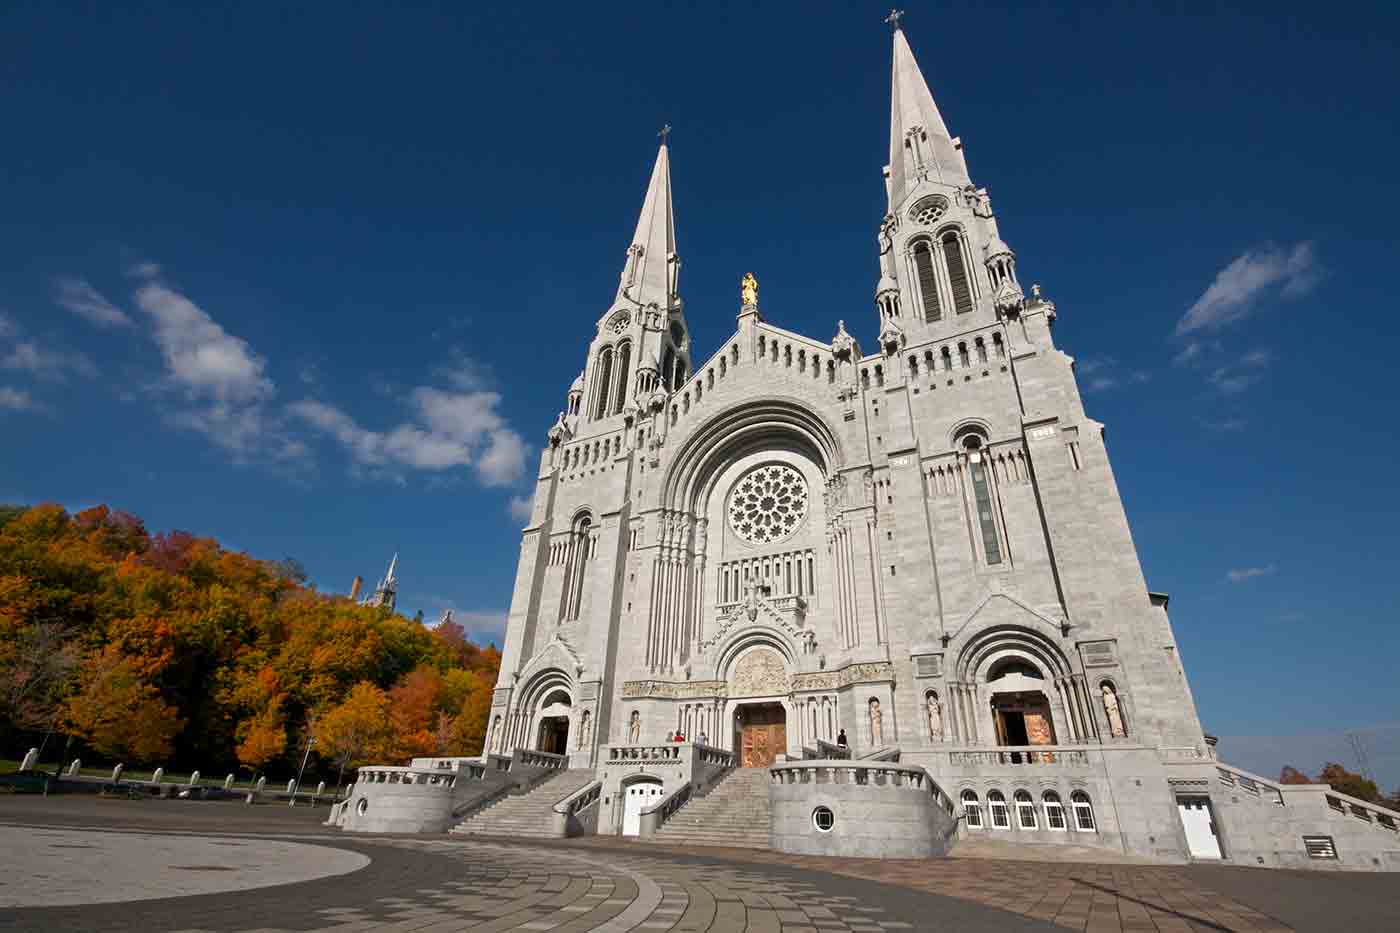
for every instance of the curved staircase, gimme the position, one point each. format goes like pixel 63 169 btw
pixel 529 815
pixel 735 813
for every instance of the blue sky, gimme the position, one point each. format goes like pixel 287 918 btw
pixel 316 281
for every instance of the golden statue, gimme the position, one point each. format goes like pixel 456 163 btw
pixel 748 289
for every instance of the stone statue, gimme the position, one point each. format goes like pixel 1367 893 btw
pixel 748 290
pixel 935 718
pixel 877 732
pixel 583 729
pixel 495 733
pixel 887 227
pixel 634 728
pixel 1114 713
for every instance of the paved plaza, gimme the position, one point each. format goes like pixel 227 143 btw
pixel 90 864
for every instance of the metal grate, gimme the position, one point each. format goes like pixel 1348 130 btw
pixel 1320 846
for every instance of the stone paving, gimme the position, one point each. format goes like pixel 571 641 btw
pixel 490 885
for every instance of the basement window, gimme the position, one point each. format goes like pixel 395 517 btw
pixel 1320 847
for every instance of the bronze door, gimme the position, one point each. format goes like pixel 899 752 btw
pixel 763 737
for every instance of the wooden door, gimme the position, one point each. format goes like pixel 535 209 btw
pixel 762 740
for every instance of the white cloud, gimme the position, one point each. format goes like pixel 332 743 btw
pixel 28 356
pixel 17 400
pixel 1235 377
pixel 452 429
pixel 521 507
pixel 201 357
pixel 77 296
pixel 1104 372
pixel 1249 573
pixel 1234 293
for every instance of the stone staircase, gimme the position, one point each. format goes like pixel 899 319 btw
pixel 529 815
pixel 735 813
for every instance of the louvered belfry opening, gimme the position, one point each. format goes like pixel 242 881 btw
pixel 957 273
pixel 604 380
pixel 928 284
pixel 624 361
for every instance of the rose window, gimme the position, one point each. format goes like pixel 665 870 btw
pixel 768 504
pixel 619 322
pixel 928 210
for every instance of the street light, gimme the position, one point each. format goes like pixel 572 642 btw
pixel 310 741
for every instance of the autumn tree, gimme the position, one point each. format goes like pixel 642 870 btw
pixel 357 731
pixel 1291 775
pixel 1346 782
pixel 262 738
pixel 120 714
pixel 413 707
pixel 469 728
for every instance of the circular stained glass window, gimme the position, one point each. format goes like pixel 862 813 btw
pixel 619 322
pixel 768 503
pixel 928 210
pixel 823 819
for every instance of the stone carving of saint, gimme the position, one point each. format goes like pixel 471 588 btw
pixel 935 718
pixel 634 728
pixel 887 227
pixel 495 733
pixel 1113 711
pixel 583 729
pixel 877 731
pixel 748 290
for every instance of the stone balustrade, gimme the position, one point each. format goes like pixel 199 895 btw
pixel 541 759
pixel 1062 755
pixel 577 814
pixel 391 774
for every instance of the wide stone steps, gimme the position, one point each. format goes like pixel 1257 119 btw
pixel 735 813
pixel 529 815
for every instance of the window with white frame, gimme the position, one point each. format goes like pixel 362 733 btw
pixel 1083 812
pixel 972 810
pixel 1001 816
pixel 1054 811
pixel 1025 811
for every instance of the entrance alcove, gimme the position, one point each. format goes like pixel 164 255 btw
pixel 758 682
pixel 1020 706
pixel 552 733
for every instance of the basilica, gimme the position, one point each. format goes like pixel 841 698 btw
pixel 797 592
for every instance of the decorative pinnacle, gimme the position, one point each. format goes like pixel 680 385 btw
pixel 664 132
pixel 894 18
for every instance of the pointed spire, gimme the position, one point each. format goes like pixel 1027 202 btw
pixel 649 275
pixel 389 577
pixel 920 144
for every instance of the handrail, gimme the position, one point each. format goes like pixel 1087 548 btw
pixel 862 772
pixel 584 797
pixel 886 753
pixel 400 774
pixel 829 751
pixel 541 759
pixel 654 817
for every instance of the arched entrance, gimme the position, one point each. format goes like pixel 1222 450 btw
pixel 552 734
pixel 1020 708
pixel 760 734
pixel 636 797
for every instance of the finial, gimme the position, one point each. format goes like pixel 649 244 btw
pixel 664 132
pixel 894 18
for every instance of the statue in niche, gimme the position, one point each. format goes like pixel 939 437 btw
pixel 495 734
pixel 935 718
pixel 877 731
pixel 887 228
pixel 583 725
pixel 1113 711
pixel 634 728
pixel 748 290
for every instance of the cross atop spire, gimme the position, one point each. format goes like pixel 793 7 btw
pixel 664 133
pixel 893 19
pixel 648 275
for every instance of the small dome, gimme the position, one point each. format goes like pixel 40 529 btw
pixel 886 284
pixel 578 385
pixel 995 247
pixel 649 363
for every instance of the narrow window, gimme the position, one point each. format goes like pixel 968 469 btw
pixel 957 273
pixel 1025 811
pixel 982 496
pixel 928 284
pixel 668 363
pixel 624 360
pixel 1083 812
pixel 1054 811
pixel 604 378
pixel 1001 817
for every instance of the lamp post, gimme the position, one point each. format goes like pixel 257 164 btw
pixel 310 741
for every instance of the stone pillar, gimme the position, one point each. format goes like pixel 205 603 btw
pixel 228 782
pixel 75 767
pixel 117 773
pixel 31 758
pixel 194 779
pixel 158 776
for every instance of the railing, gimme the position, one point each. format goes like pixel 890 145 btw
pixel 833 752
pixel 392 774
pixel 618 754
pixel 888 753
pixel 656 815
pixel 569 813
pixel 871 773
pixel 1250 784
pixel 1023 755
pixel 541 759
pixel 709 755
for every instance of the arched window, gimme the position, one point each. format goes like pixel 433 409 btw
pixel 947 360
pixel 1083 812
pixel 1054 811
pixel 1000 347
pixel 963 357
pixel 580 541
pixel 624 360
pixel 668 365
pixel 1025 811
pixel 972 810
pixel 1001 818
pixel 981 350
pixel 602 382
pixel 957 272
pixel 982 496
pixel 681 372
pixel 928 283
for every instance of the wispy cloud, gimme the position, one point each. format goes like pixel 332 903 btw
pixel 521 507
pixel 1238 287
pixel 79 297
pixel 54 365
pixel 1235 377
pixel 1242 574
pixel 450 429
pixel 17 400
pixel 201 357
pixel 1102 373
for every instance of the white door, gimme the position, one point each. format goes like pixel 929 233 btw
pixel 1200 828
pixel 639 796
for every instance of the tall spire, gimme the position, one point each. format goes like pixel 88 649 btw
pixel 649 275
pixel 920 144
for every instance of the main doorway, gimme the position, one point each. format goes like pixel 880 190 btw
pixel 762 734
pixel 1199 824
pixel 639 796
pixel 1022 719
pixel 554 735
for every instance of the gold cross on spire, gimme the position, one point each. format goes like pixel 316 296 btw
pixel 894 18
pixel 664 132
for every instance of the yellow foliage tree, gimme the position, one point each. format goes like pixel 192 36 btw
pixel 120 714
pixel 357 731
pixel 264 737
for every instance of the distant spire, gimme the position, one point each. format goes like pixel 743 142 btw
pixel 920 144
pixel 389 577
pixel 648 274
pixel 386 594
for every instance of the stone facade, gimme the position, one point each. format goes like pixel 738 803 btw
pixel 920 545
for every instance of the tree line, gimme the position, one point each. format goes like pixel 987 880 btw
pixel 168 649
